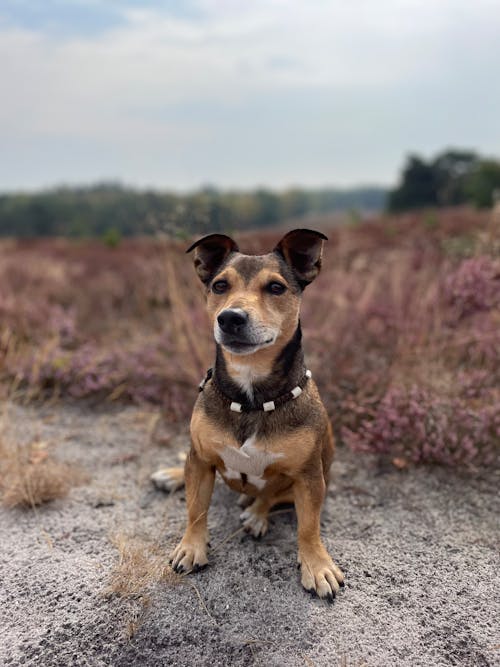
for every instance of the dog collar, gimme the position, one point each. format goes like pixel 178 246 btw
pixel 268 406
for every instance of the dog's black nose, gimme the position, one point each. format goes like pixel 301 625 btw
pixel 232 321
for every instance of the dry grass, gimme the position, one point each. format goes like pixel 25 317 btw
pixel 140 566
pixel 31 476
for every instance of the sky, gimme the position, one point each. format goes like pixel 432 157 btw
pixel 242 93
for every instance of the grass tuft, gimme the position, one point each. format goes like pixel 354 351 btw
pixel 140 566
pixel 31 476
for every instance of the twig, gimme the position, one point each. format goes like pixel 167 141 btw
pixel 202 602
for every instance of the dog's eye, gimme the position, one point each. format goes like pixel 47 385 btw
pixel 275 288
pixel 220 287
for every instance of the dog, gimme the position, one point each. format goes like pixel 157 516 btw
pixel 259 420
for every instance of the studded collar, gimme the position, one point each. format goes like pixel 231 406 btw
pixel 268 406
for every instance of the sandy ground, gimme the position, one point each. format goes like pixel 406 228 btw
pixel 419 547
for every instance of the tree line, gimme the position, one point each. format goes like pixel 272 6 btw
pixel 112 210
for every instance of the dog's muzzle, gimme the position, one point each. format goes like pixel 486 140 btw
pixel 235 331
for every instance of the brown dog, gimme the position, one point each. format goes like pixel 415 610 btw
pixel 258 420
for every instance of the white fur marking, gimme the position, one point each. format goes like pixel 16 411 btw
pixel 258 482
pixel 249 460
pixel 231 474
pixel 245 376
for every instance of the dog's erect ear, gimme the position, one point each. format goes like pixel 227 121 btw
pixel 301 249
pixel 210 253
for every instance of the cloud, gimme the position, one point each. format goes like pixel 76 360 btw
pixel 238 92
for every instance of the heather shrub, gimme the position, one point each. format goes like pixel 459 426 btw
pixel 424 428
pixel 474 286
pixel 402 336
pixel 148 373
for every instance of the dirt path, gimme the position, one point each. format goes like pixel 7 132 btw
pixel 420 549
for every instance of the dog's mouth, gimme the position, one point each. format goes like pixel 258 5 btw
pixel 245 342
pixel 242 346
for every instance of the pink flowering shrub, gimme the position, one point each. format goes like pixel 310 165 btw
pixel 143 374
pixel 425 428
pixel 474 286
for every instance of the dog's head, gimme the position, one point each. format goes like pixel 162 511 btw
pixel 254 300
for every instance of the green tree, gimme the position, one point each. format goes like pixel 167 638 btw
pixel 441 182
pixel 451 172
pixel 418 186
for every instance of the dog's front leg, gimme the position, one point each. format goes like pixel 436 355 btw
pixel 319 573
pixel 191 552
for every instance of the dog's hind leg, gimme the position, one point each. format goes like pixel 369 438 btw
pixel 168 479
pixel 244 500
pixel 284 498
pixel 254 518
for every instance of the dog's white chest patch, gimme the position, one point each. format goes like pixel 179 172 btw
pixel 249 460
pixel 245 376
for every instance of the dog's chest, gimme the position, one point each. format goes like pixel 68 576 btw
pixel 250 459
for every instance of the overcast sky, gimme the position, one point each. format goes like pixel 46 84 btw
pixel 242 92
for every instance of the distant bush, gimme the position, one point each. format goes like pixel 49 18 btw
pixel 112 237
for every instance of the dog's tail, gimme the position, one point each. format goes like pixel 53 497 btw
pixel 168 479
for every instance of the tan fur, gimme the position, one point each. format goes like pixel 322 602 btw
pixel 288 451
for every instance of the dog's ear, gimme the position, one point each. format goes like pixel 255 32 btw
pixel 210 253
pixel 301 249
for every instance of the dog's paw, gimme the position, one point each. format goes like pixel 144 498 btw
pixel 254 522
pixel 188 556
pixel 168 479
pixel 319 574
